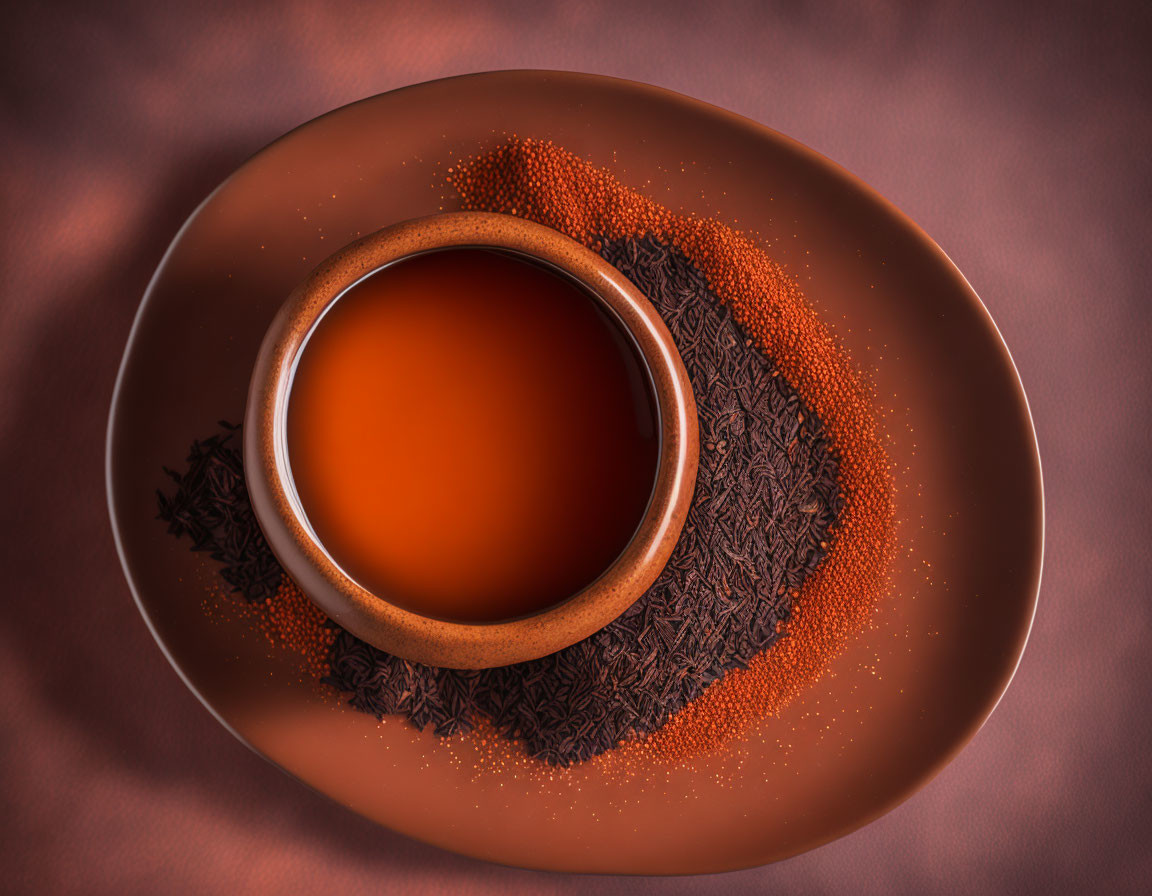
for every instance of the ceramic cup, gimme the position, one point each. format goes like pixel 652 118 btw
pixel 372 617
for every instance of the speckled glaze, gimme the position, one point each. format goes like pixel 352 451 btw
pixel 371 616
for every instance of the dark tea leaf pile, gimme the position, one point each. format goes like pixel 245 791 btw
pixel 765 501
pixel 211 506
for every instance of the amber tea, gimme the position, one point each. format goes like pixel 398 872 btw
pixel 471 435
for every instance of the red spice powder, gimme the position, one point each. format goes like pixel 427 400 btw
pixel 288 620
pixel 547 184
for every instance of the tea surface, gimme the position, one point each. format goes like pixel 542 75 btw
pixel 471 435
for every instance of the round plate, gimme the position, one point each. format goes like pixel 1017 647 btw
pixel 898 703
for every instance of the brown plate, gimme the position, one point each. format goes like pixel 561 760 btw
pixel 903 698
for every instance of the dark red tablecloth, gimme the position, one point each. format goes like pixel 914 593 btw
pixel 1019 140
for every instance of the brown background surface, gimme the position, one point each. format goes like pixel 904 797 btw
pixel 1018 140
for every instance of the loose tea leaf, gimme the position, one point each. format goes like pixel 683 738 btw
pixel 211 506
pixel 766 497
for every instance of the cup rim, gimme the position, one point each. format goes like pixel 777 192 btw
pixel 372 617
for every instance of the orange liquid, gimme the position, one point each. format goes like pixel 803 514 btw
pixel 471 436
